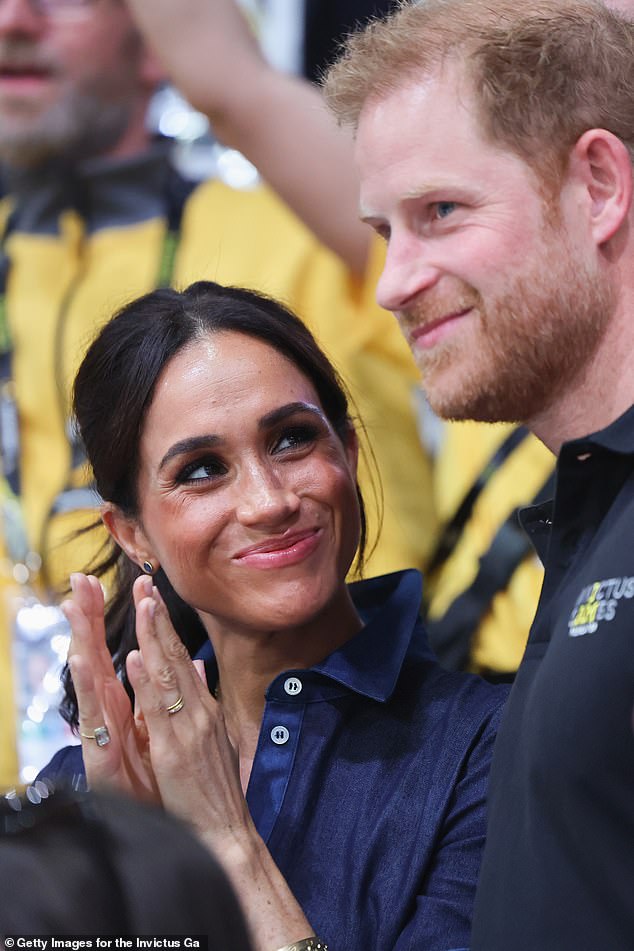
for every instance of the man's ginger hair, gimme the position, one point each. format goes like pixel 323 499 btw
pixel 541 74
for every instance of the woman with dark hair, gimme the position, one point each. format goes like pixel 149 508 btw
pixel 335 769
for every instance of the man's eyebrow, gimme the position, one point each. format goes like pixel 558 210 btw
pixel 211 441
pixel 191 444
pixel 422 189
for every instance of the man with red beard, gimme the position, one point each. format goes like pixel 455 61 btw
pixel 495 149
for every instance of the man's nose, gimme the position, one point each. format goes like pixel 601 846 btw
pixel 20 17
pixel 408 271
pixel 265 501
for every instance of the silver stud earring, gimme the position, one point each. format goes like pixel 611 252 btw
pixel 148 567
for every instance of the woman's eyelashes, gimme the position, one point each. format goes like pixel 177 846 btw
pixel 299 436
pixel 201 470
pixel 208 468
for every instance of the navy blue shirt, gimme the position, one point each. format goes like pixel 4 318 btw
pixel 369 781
pixel 558 873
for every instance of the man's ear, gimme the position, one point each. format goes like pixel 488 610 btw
pixel 601 163
pixel 151 69
pixel 128 534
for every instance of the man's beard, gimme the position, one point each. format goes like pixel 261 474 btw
pixel 84 120
pixel 525 348
pixel 78 127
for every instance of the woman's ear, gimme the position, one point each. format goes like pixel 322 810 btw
pixel 128 534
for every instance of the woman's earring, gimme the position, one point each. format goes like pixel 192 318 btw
pixel 148 567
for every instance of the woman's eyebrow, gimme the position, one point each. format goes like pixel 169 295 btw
pixel 281 413
pixel 210 440
pixel 190 444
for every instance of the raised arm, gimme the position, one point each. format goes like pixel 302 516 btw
pixel 278 121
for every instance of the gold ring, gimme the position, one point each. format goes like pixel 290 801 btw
pixel 101 736
pixel 176 706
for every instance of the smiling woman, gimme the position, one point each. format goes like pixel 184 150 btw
pixel 335 769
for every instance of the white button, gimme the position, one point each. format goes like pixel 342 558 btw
pixel 293 686
pixel 280 735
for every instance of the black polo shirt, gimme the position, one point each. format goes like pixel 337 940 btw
pixel 558 870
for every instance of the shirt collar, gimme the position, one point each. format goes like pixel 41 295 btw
pixel 370 663
pixel 617 437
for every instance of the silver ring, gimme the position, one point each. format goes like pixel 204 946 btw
pixel 101 736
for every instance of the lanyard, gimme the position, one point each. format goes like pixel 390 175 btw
pixel 452 531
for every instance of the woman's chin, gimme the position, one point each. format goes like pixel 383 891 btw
pixel 284 606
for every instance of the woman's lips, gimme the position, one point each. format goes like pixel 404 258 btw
pixel 280 551
pixel 428 335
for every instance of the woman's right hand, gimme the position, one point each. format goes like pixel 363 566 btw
pixel 124 761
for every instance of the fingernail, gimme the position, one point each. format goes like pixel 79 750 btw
pixel 73 581
pixel 199 666
pixel 145 584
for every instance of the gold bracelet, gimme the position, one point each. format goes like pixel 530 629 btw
pixel 306 944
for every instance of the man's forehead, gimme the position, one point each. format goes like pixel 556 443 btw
pixel 433 105
pixel 425 140
pixel 416 90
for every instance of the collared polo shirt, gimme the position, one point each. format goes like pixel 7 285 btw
pixel 369 781
pixel 558 873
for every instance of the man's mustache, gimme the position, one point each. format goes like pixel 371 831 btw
pixel 425 311
pixel 20 56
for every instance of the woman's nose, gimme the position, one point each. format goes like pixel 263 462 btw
pixel 265 500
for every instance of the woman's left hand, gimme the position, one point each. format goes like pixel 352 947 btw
pixel 197 771
pixel 195 766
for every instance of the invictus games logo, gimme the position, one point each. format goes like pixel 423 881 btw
pixel 598 603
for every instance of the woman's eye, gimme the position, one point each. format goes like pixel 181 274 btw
pixel 201 470
pixel 442 209
pixel 295 438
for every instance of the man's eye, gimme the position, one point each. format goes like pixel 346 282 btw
pixel 295 438
pixel 442 209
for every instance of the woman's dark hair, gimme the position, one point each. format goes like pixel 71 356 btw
pixel 113 391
